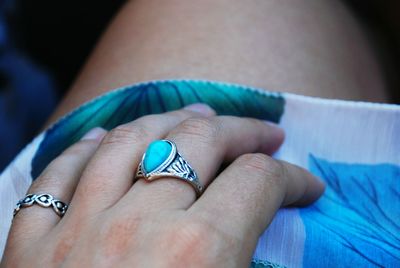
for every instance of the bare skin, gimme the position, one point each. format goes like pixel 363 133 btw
pixel 112 223
pixel 312 48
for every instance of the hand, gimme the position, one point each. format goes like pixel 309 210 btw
pixel 113 222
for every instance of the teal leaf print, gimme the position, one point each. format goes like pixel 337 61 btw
pixel 127 104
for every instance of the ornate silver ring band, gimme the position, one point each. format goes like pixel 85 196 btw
pixel 43 200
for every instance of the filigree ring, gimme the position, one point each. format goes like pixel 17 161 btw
pixel 43 200
pixel 162 160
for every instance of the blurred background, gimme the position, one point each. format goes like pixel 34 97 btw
pixel 44 43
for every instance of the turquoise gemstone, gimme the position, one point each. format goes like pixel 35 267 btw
pixel 156 154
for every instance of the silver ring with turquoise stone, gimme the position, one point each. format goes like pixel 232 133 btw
pixel 162 160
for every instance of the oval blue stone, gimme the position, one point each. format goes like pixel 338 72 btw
pixel 156 154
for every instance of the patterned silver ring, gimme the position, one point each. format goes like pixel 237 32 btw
pixel 43 200
pixel 162 160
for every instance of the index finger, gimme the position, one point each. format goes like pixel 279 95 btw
pixel 244 198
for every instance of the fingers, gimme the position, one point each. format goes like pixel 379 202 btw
pixel 59 179
pixel 248 193
pixel 110 173
pixel 206 143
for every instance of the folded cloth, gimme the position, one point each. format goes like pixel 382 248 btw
pixel 352 146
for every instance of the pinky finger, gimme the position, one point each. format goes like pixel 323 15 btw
pixel 59 179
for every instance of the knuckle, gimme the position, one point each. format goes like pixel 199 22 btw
pixel 256 162
pixel 126 134
pixel 194 238
pixel 189 240
pixel 63 246
pixel 116 235
pixel 205 129
pixel 264 166
pixel 49 180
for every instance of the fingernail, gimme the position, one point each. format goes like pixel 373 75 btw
pixel 321 184
pixel 96 133
pixel 202 108
pixel 276 129
pixel 277 136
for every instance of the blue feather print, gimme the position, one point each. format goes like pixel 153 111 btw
pixel 356 222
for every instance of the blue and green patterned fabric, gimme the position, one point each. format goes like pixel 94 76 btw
pixel 352 146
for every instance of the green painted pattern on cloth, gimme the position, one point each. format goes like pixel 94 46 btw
pixel 129 103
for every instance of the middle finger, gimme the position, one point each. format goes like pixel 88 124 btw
pixel 205 143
